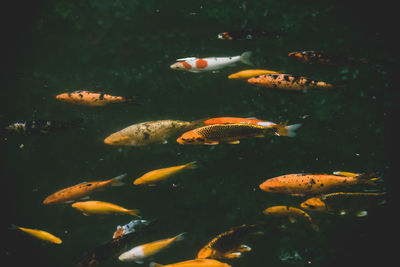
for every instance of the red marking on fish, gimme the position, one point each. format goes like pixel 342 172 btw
pixel 201 63
pixel 186 65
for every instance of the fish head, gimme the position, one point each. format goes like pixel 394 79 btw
pixel 313 204
pixel 118 139
pixel 273 186
pixel 119 232
pixel 191 137
pixel 50 200
pixel 77 205
pixel 181 65
pixel 234 76
pixel 62 97
pixel 224 35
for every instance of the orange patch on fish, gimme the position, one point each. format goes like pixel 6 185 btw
pixel 186 65
pixel 201 63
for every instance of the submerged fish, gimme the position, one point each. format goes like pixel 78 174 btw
pixel 193 263
pixel 150 132
pixel 245 74
pixel 155 176
pixel 42 126
pixel 141 252
pixel 82 190
pixel 301 184
pixel 344 203
pixel 249 34
pixel 281 129
pixel 102 208
pixel 229 133
pixel 93 99
pixel 229 244
pixel 193 64
pixel 128 228
pixel 39 234
pixel 324 58
pixel 115 246
pixel 287 82
pixel 291 212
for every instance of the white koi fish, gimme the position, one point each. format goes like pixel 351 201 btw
pixel 139 253
pixel 193 64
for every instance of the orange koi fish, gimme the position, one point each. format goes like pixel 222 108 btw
pixel 93 99
pixel 102 208
pixel 291 212
pixel 193 263
pixel 229 133
pixel 81 190
pixel 343 203
pixel 139 253
pixel 310 184
pixel 324 58
pixel 281 129
pixel 229 244
pixel 245 74
pixel 39 234
pixel 196 65
pixel 155 176
pixel 287 82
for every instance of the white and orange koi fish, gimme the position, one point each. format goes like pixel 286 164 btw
pixel 196 65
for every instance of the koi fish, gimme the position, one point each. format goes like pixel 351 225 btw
pixel 39 234
pixel 93 99
pixel 287 82
pixel 305 184
pixel 229 133
pixel 193 64
pixel 281 129
pixel 81 190
pixel 139 253
pixel 128 228
pixel 193 263
pixel 155 176
pixel 42 126
pixel 249 34
pixel 229 244
pixel 102 208
pixel 314 57
pixel 344 203
pixel 115 246
pixel 149 132
pixel 246 74
pixel 292 213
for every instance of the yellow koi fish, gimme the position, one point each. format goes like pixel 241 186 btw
pixel 193 263
pixel 102 208
pixel 246 74
pixel 155 176
pixel 39 234
pixel 141 252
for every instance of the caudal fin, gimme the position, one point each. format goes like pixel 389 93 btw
pixel 131 100
pixel 191 165
pixel 245 58
pixel 288 130
pixel 367 178
pixel 180 237
pixel 134 212
pixel 117 181
pixel 154 264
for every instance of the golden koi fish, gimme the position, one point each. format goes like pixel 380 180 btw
pixel 102 208
pixel 193 263
pixel 39 234
pixel 245 74
pixel 291 212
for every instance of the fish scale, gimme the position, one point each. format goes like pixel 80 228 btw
pixel 229 131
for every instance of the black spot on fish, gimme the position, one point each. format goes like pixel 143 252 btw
pixel 146 135
pixel 80 95
pixel 286 78
pixel 101 97
pixel 89 185
pixel 272 188
pixel 321 185
pixel 200 139
pixel 312 181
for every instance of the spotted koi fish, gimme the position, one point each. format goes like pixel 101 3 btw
pixel 249 34
pixel 292 213
pixel 130 227
pixel 302 184
pixel 93 99
pixel 229 133
pixel 39 127
pixel 287 82
pixel 281 129
pixel 196 65
pixel 344 203
pixel 229 244
pixel 314 57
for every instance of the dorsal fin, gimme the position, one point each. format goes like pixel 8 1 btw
pixel 186 58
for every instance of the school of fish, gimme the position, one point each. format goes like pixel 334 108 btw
pixel 325 193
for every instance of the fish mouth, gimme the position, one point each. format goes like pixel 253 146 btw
pixel 180 141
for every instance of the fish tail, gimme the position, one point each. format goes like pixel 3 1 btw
pixel 245 58
pixel 191 165
pixel 154 264
pixel 131 100
pixel 134 212
pixel 367 178
pixel 117 181
pixel 180 237
pixel 288 130
pixel 13 227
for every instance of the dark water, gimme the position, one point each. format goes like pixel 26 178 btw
pixel 125 48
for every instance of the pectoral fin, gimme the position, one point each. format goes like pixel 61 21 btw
pixel 234 142
pixel 211 143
